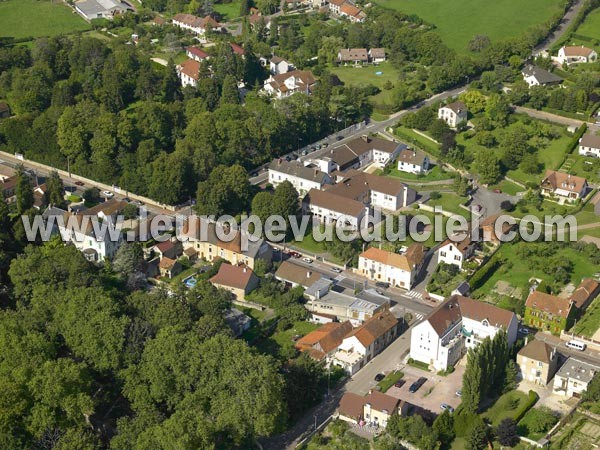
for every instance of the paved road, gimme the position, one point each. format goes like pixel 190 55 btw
pixel 588 355
pixel 549 116
pixel 561 29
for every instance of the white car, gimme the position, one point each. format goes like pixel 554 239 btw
pixel 336 269
pixel 307 260
pixel 108 194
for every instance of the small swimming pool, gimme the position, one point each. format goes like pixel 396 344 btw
pixel 190 281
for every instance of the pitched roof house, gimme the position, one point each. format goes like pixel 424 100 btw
pixel 576 55
pixel 412 161
pixel 196 53
pixel 564 185
pixel 169 268
pixel 239 280
pixel 536 76
pixel 394 268
pixel 286 84
pixel 453 113
pixel 322 342
pixel 353 55
pixel 584 294
pixel 197 25
pixel 548 312
pixel 330 208
pixel 189 72
pixel 589 145
pixel 538 362
pixel 457 324
pixel 374 409
pixel 365 150
pixel 296 275
pixel 453 251
pixel 303 178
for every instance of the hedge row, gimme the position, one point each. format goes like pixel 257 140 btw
pixel 481 276
pixel 531 400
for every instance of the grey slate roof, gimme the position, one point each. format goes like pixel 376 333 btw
pixel 590 140
pixel 578 370
pixel 297 169
pixel 542 76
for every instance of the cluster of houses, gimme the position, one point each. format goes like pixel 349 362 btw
pixel 539 362
pixel 333 188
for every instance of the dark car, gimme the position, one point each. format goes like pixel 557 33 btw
pixel 382 284
pixel 379 377
pixel 400 383
pixel 79 183
pixel 417 385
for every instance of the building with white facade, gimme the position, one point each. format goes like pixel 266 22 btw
pixel 565 185
pixel 365 342
pixel 574 377
pixel 589 145
pixel 456 252
pixel 197 25
pixel 398 269
pixel 331 209
pixel 536 76
pixel 413 161
pixel 453 113
pixel 189 72
pixel 278 65
pixel 303 178
pixel 576 55
pixel 456 325
pixel 365 150
pixel 196 54
pixel 285 84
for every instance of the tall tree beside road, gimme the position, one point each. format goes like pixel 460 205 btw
pixel 55 190
pixel 23 191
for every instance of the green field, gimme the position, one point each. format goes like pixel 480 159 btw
pixel 458 22
pixel 229 11
pixel 36 18
pixel 367 75
pixel 591 26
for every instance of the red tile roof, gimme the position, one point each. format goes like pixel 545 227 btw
pixel 191 68
pixel 199 53
pixel 552 304
pixel 233 276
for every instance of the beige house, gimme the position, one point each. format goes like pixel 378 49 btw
pixel 394 268
pixel 239 280
pixel 574 377
pixel 374 409
pixel 564 185
pixel 169 268
pixel 295 275
pixel 538 362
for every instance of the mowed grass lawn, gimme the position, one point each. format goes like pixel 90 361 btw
pixel 229 11
pixel 35 18
pixel 367 75
pixel 591 26
pixel 458 22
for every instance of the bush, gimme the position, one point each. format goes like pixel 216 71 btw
pixel 435 195
pixel 532 400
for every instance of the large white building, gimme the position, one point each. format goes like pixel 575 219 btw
pixel 456 252
pixel 397 269
pixel 197 25
pixel 303 178
pixel 576 55
pixel 453 113
pixel 589 145
pixel 365 150
pixel 456 325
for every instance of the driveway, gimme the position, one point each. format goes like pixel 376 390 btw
pixel 555 402
pixel 490 201
pixel 436 390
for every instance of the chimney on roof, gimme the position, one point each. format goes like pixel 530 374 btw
pixel 526 340
pixel 308 273
pixel 365 138
pixel 245 269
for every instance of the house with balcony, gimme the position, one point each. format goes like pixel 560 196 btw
pixel 564 186
pixel 456 325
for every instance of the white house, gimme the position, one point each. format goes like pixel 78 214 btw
pixel 564 185
pixel 335 6
pixel 196 54
pixel 303 178
pixel 536 76
pixel 377 55
pixel 456 325
pixel 574 377
pixel 189 72
pixel 362 344
pixel 197 25
pixel 330 209
pixel 365 150
pixel 576 55
pixel 102 9
pixel 278 65
pixel 285 84
pixel 453 113
pixel 413 161
pixel 451 252
pixel 397 269
pixel 589 145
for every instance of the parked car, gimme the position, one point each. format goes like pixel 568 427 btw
pixel 447 407
pixel 400 383
pixel 325 144
pixel 379 377
pixel 79 183
pixel 459 393
pixel 382 284
pixel 307 260
pixel 138 203
pixel 295 254
pixel 379 291
pixel 336 269
pixel 417 385
pixel 497 191
pixel 523 330
pixel 108 194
